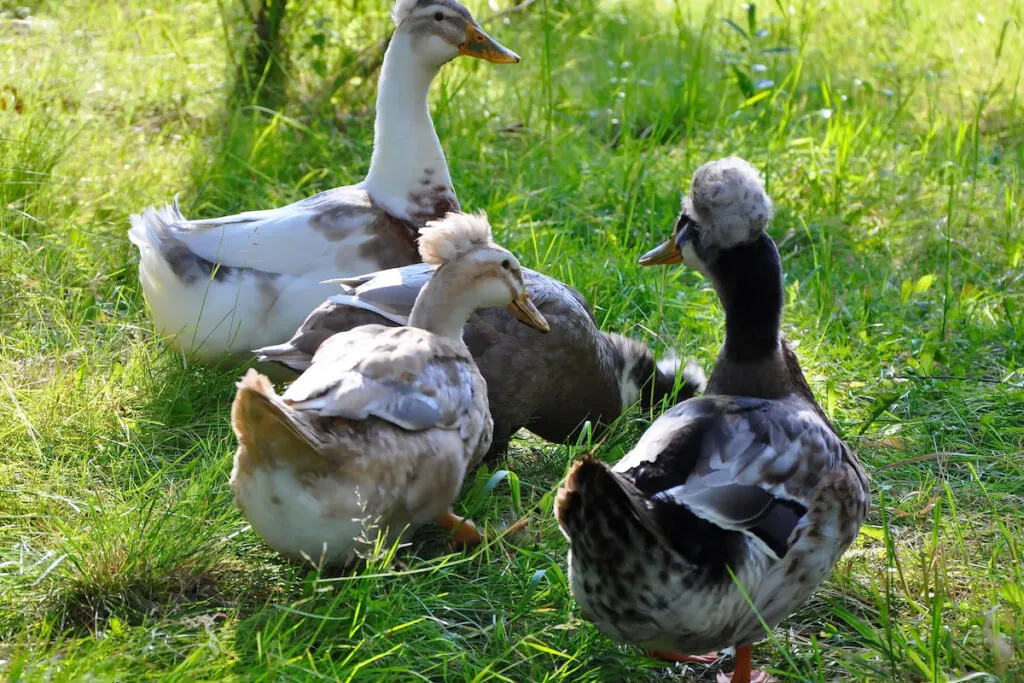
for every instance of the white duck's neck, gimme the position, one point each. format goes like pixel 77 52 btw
pixel 407 155
pixel 443 306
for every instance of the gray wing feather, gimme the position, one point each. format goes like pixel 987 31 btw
pixel 339 384
pixel 753 452
pixel 737 504
pixel 391 293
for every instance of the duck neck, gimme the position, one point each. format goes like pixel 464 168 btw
pixel 442 306
pixel 748 279
pixel 407 156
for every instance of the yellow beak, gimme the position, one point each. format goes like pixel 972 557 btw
pixel 480 45
pixel 523 309
pixel 663 254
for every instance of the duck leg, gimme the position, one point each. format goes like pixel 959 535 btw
pixel 463 530
pixel 684 659
pixel 742 673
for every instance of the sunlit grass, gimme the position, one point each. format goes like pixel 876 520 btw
pixel 891 136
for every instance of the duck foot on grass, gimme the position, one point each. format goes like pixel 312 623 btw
pixel 741 672
pixel 464 532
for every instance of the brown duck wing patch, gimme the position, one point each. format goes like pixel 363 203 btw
pixel 350 213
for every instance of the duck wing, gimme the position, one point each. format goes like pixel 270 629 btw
pixel 389 293
pixel 392 293
pixel 386 297
pixel 405 376
pixel 742 464
pixel 267 240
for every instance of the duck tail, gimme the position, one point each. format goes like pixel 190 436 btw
pixel 266 426
pixel 592 491
pixel 692 379
pixel 153 232
pixel 152 227
pixel 296 354
pixel 176 282
pixel 206 310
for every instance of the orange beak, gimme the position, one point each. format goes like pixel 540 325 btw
pixel 480 45
pixel 523 309
pixel 664 254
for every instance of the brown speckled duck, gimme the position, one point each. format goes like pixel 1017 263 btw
pixel 749 480
pixel 381 428
pixel 548 383
pixel 220 287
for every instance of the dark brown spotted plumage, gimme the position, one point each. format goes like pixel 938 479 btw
pixel 748 485
pixel 431 202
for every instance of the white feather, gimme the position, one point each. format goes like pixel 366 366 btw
pixel 728 199
pixel 292 520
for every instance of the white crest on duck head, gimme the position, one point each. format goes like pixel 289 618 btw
pixel 444 240
pixel 728 201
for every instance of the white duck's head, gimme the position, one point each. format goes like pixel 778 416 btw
pixel 441 30
pixel 473 272
pixel 727 207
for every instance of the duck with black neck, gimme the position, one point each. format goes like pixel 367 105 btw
pixel 733 507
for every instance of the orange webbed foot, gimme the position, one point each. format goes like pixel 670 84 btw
pixel 709 658
pixel 464 532
pixel 743 673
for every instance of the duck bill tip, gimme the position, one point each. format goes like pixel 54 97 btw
pixel 480 45
pixel 524 310
pixel 664 254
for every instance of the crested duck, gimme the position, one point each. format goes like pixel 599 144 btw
pixel 380 429
pixel 747 486
pixel 548 383
pixel 220 287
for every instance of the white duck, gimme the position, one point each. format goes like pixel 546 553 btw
pixel 223 286
pixel 381 428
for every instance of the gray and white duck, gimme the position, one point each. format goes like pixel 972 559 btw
pixel 550 384
pixel 748 481
pixel 219 287
pixel 381 428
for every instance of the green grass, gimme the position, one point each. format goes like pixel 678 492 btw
pixel 891 138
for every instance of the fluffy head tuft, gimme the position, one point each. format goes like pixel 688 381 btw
pixel 401 10
pixel 455 235
pixel 727 199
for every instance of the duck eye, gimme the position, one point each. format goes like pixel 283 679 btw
pixel 506 264
pixel 438 16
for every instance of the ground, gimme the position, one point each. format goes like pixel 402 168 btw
pixel 891 137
